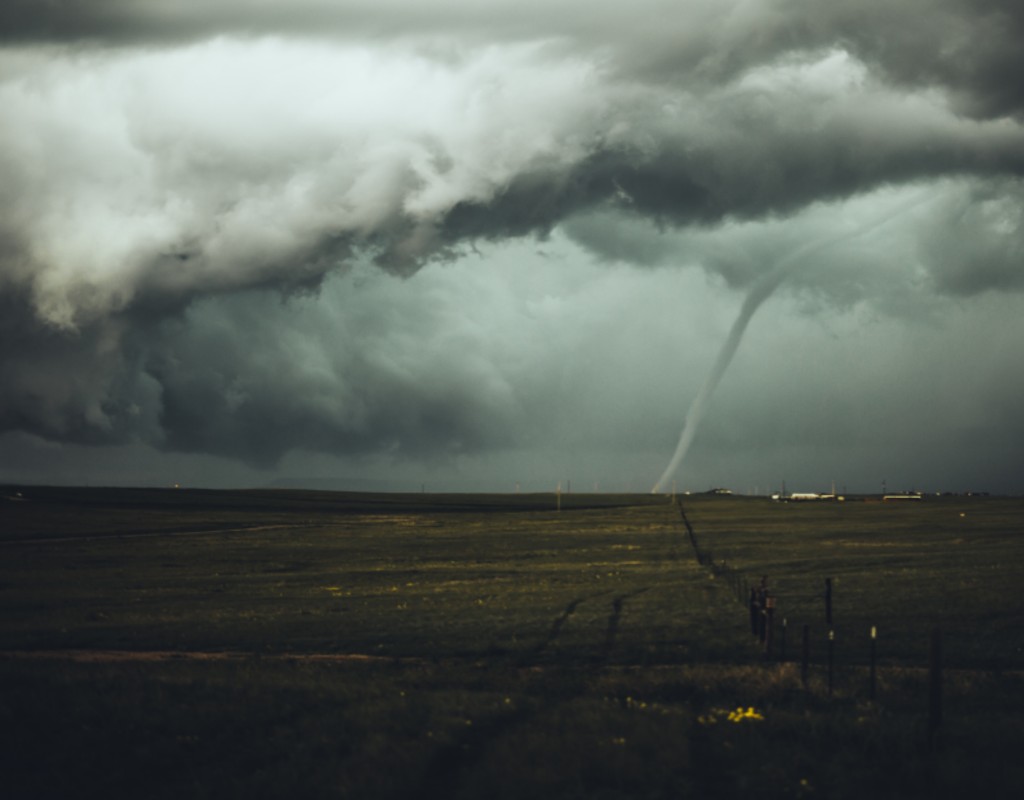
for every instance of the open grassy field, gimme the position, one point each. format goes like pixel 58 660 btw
pixel 177 643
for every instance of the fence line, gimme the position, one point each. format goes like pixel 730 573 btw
pixel 762 609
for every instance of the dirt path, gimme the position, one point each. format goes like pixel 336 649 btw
pixel 152 656
pixel 41 540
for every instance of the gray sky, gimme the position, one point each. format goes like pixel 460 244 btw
pixel 470 245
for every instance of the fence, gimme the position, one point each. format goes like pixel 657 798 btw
pixel 761 604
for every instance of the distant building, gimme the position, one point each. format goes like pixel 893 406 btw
pixel 805 497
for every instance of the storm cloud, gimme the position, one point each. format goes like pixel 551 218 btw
pixel 245 231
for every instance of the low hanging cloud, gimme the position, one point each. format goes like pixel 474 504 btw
pixel 168 168
pixel 157 177
pixel 230 165
pixel 914 44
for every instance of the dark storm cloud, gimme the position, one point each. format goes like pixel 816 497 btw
pixel 968 239
pixel 167 167
pixel 251 377
pixel 84 387
pixel 975 242
pixel 970 47
pixel 704 171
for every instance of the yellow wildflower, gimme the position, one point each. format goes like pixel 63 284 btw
pixel 741 714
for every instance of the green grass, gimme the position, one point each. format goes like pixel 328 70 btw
pixel 903 567
pixel 465 646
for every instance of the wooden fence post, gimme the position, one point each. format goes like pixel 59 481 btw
pixel 871 677
pixel 753 611
pixel 831 658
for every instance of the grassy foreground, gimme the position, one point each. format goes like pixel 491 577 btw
pixel 268 644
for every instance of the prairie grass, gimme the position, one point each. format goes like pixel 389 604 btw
pixel 179 644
